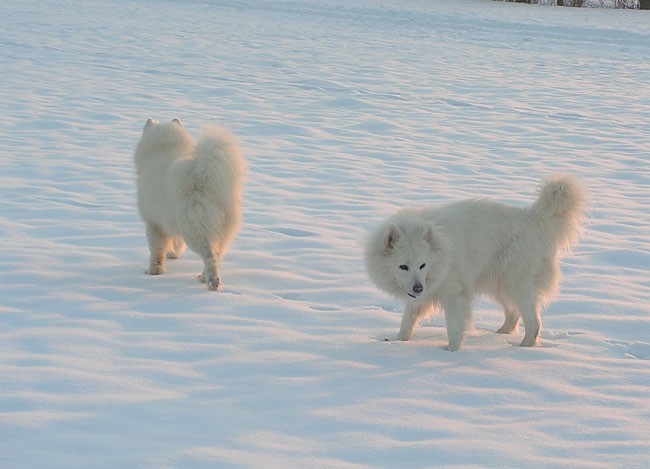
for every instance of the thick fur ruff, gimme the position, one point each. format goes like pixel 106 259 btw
pixel 445 256
pixel 189 193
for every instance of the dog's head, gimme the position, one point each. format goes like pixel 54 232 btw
pixel 408 261
pixel 158 138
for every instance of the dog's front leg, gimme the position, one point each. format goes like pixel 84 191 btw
pixel 458 313
pixel 412 313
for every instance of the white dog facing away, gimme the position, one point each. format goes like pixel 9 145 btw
pixel 445 256
pixel 189 193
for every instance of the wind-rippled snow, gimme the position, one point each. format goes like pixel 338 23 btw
pixel 345 111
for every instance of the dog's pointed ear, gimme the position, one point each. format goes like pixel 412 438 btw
pixel 149 122
pixel 177 121
pixel 393 234
pixel 429 235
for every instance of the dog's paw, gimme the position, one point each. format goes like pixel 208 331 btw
pixel 452 347
pixel 529 342
pixel 396 338
pixel 213 283
pixel 156 271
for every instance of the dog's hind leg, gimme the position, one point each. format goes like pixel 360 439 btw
pixel 158 245
pixel 413 311
pixel 210 275
pixel 512 319
pixel 529 306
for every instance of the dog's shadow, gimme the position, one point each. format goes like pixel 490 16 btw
pixel 478 338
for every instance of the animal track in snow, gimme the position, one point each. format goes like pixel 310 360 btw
pixel 324 309
pixel 555 335
pixel 291 296
pixel 639 350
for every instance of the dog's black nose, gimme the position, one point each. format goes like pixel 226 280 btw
pixel 417 288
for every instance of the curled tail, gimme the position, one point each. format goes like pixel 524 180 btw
pixel 220 162
pixel 561 203
pixel 213 193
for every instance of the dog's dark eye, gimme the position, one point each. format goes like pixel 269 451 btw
pixel 422 266
pixel 404 267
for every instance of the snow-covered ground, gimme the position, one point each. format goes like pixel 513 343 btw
pixel 345 111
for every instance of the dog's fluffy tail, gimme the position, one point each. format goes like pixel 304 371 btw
pixel 211 192
pixel 219 160
pixel 561 203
